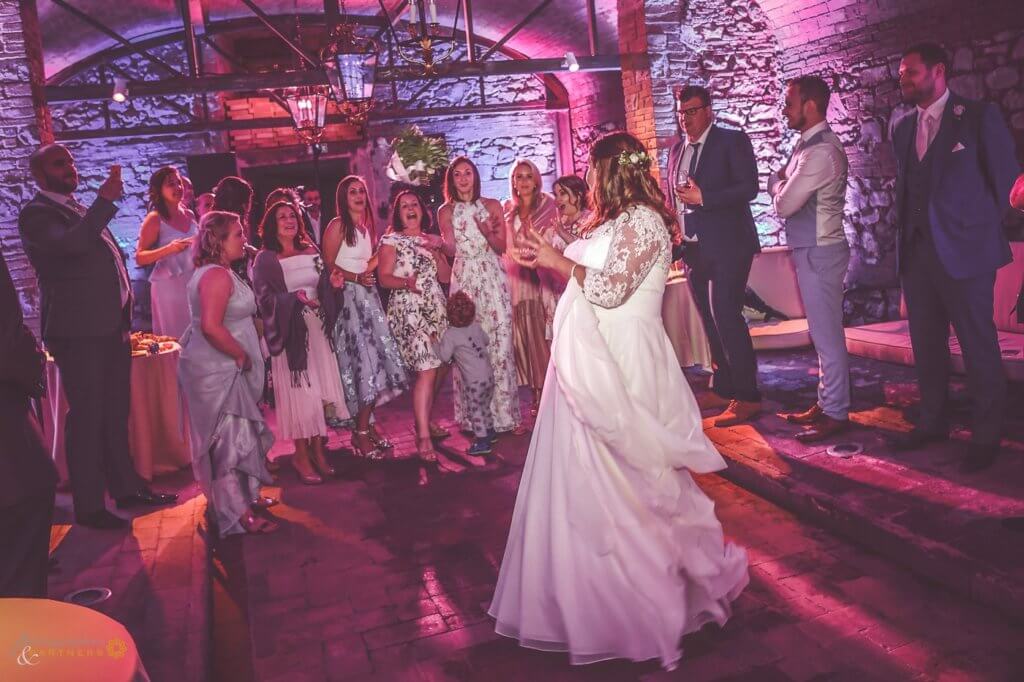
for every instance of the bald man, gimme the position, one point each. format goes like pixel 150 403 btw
pixel 86 316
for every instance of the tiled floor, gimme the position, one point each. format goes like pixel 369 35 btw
pixel 385 574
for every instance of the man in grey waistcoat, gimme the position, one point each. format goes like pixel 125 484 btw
pixel 809 193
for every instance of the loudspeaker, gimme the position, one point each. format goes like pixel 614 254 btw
pixel 206 170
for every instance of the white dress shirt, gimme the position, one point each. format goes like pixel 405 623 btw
pixel 123 281
pixel 928 122
pixel 684 167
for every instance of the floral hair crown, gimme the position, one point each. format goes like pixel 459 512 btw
pixel 641 159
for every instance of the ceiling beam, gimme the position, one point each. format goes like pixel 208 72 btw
pixel 287 79
pixel 285 122
pixel 267 21
pixel 516 29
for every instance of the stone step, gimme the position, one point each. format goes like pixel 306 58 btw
pixel 915 508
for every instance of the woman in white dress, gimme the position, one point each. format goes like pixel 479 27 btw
pixel 473 230
pixel 165 239
pixel 613 551
pixel 287 274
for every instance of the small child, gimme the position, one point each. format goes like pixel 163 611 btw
pixel 466 342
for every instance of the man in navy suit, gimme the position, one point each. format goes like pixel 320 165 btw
pixel 86 315
pixel 955 167
pixel 712 178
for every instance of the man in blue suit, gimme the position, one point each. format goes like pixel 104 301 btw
pixel 712 178
pixel 955 167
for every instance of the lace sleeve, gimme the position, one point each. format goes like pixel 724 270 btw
pixel 639 243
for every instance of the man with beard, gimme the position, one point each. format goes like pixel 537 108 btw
pixel 86 314
pixel 311 205
pixel 809 193
pixel 955 166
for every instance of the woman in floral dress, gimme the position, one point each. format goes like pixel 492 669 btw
pixel 371 367
pixel 416 310
pixel 473 230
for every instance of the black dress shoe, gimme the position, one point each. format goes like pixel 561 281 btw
pixel 145 498
pixel 102 520
pixel 917 439
pixel 979 457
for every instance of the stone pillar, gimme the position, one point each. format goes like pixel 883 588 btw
pixel 24 123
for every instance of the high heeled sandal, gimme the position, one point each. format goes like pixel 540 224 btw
pixel 308 479
pixel 426 454
pixel 373 453
pixel 323 468
pixel 256 525
pixel 379 440
pixel 439 431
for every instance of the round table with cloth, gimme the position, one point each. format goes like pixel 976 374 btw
pixel 42 639
pixel 157 430
pixel 683 325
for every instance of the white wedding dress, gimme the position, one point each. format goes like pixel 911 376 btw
pixel 614 552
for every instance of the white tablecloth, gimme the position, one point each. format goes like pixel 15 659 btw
pixel 683 324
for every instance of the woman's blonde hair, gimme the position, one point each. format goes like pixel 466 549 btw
pixel 537 180
pixel 622 169
pixel 209 243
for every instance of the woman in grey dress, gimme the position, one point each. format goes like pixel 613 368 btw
pixel 221 376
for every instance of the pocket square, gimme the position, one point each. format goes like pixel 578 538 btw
pixel 959 147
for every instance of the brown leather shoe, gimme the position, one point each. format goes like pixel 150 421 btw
pixel 811 415
pixel 826 427
pixel 711 400
pixel 738 412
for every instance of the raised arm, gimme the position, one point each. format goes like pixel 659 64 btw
pixel 444 221
pixel 42 233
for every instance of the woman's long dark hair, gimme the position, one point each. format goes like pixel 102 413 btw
pixel 396 214
pixel 156 190
pixel 269 230
pixel 348 225
pixel 234 194
pixel 577 187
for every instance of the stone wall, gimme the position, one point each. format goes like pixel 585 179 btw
pixel 595 108
pixel 23 125
pixel 745 49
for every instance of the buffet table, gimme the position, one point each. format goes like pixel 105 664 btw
pixel 683 324
pixel 157 421
pixel 44 639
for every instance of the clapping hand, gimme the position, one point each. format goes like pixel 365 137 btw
pixel 183 244
pixel 532 250
pixel 367 279
pixel 337 278
pixel 112 188
pixel 306 300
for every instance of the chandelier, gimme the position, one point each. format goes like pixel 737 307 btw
pixel 308 108
pixel 351 64
pixel 427 46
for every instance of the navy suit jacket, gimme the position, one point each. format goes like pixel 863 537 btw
pixel 727 176
pixel 969 186
pixel 78 278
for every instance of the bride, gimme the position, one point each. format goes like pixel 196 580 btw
pixel 614 552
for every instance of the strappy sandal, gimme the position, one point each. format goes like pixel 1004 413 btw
pixel 372 453
pixel 379 440
pixel 307 479
pixel 256 525
pixel 264 502
pixel 323 467
pixel 439 431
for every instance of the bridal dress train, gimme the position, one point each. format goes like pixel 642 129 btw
pixel 613 551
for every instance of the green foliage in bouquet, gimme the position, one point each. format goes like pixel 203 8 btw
pixel 420 157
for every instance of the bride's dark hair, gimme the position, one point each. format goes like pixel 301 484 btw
pixel 617 186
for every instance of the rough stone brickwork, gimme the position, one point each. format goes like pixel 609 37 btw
pixel 745 49
pixel 637 88
pixel 22 127
pixel 493 141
